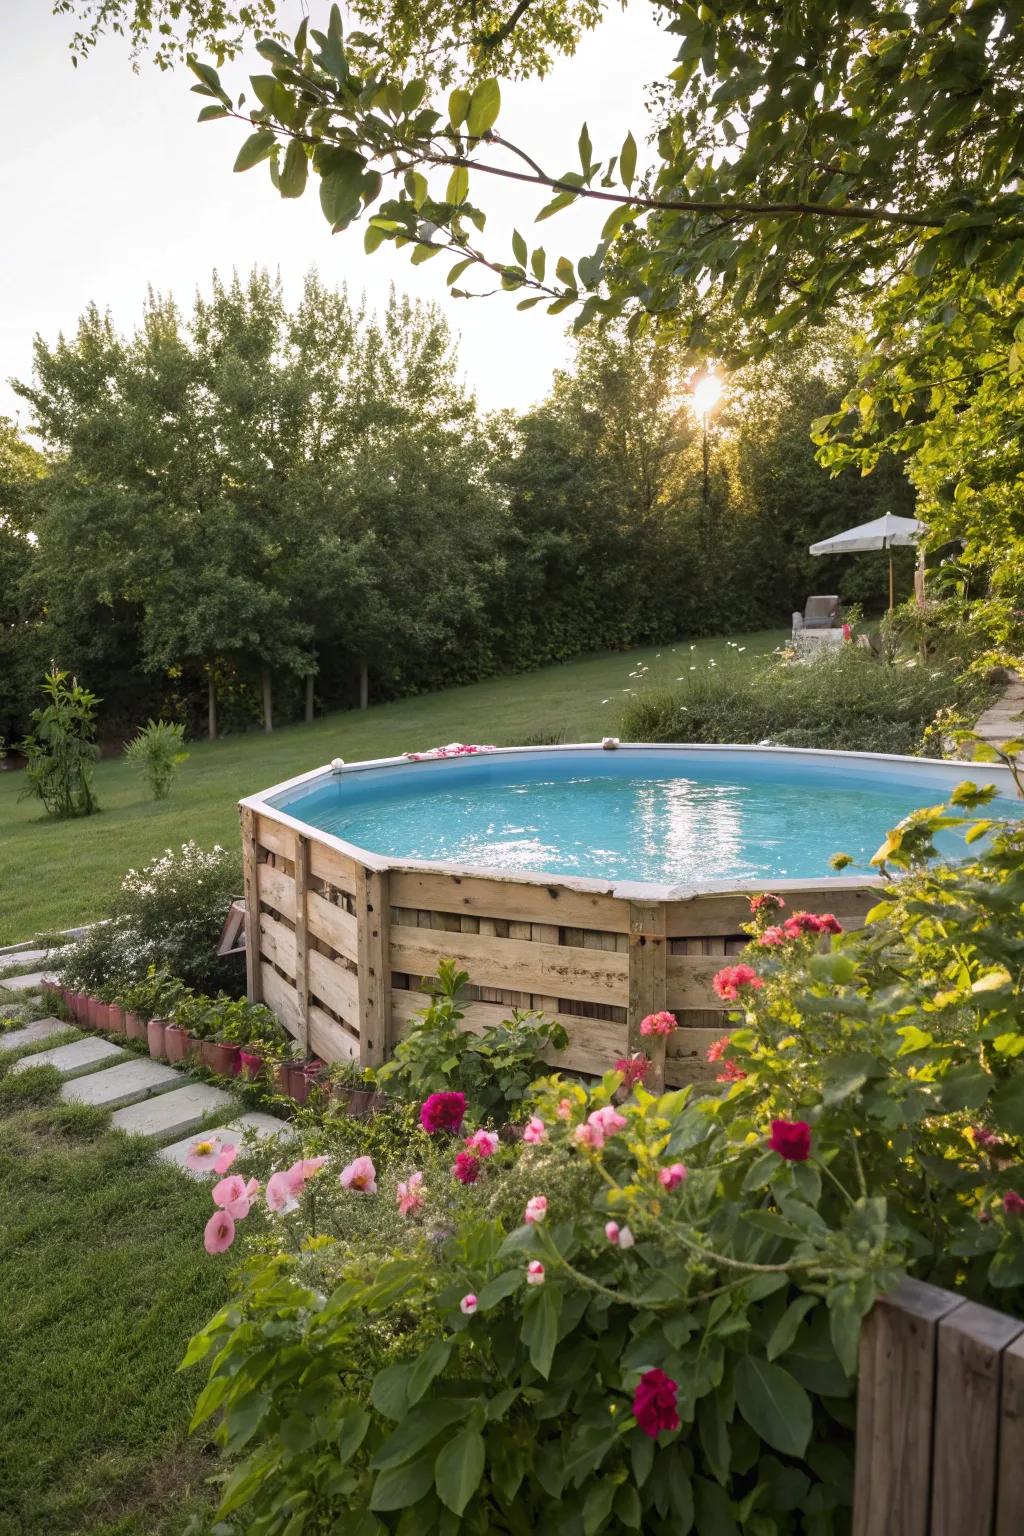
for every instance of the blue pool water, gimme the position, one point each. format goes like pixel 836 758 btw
pixel 671 816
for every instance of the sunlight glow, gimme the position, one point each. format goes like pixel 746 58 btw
pixel 707 391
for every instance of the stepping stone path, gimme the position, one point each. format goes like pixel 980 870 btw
pixel 148 1098
pixel 70 1060
pixel 138 1078
pixel 263 1125
pixel 27 983
pixel 29 1034
pixel 173 1114
pixel 1003 721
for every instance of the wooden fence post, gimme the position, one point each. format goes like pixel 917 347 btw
pixel 302 939
pixel 373 917
pixel 648 968
pixel 967 1408
pixel 1010 1502
pixel 253 976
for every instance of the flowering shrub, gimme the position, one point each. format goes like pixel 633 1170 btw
pixel 495 1068
pixel 646 1316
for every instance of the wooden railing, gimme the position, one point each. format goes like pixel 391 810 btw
pixel 940 1418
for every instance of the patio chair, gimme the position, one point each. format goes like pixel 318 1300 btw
pixel 820 613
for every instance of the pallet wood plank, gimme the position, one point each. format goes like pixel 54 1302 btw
pixel 647 960
pixel 334 985
pixel 253 979
pixel 373 910
pixel 1010 1500
pixel 723 914
pixel 332 866
pixel 526 901
pixel 593 1046
pixel 895 1407
pixel 279 996
pixel 277 944
pixel 276 889
pixel 333 925
pixel 971 1343
pixel 509 964
pixel 271 834
pixel 299 886
pixel 330 1040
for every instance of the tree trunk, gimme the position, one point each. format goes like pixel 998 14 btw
pixel 364 685
pixel 309 698
pixel 211 709
pixel 268 701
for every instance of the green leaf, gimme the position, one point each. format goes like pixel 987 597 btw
pixel 497 1289
pixel 627 161
pixel 484 106
pixel 785 1330
pixel 586 150
pixel 538 262
pixel 398 1487
pixel 420 1426
pixel 597 1505
pixel 458 1469
pixel 540 1328
pixel 430 1365
pixel 256 148
pixel 519 249
pixel 458 106
pixel 208 114
pixel 294 170
pixel 352 1427
pixel 774 1404
pixel 562 200
pixel 458 188
pixel 390 1391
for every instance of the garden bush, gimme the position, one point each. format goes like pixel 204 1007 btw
pixel 61 751
pixel 644 1315
pixel 845 700
pixel 158 750
pixel 167 916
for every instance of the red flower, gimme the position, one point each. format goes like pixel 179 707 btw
pixel 658 1024
pixel 633 1068
pixel 467 1168
pixel 1013 1204
pixel 766 902
pixel 829 924
pixel 717 1048
pixel 984 1138
pixel 728 981
pixel 791 1139
pixel 732 1074
pixel 443 1112
pixel 773 935
pixel 808 922
pixel 654 1403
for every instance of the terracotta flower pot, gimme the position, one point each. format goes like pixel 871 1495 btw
pixel 100 1014
pixel 359 1102
pixel 135 1026
pixel 220 1057
pixel 115 1018
pixel 92 1012
pixel 77 1004
pixel 177 1042
pixel 155 1037
pixel 251 1064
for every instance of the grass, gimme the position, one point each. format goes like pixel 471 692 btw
pixel 104 1279
pixel 56 874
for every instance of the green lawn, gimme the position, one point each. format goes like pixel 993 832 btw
pixel 54 874
pixel 103 1278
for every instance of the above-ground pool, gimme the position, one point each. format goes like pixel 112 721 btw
pixel 669 816
pixel 594 886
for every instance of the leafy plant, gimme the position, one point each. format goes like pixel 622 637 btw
pixel 60 750
pixel 158 750
pixel 495 1068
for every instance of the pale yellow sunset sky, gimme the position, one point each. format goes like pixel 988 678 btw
pixel 108 185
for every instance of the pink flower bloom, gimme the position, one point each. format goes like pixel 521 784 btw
pixel 203 1154
pixel 658 1024
pixel 443 1112
pixel 607 1120
pixel 984 1138
pixel 766 902
pixel 219 1232
pixel 731 978
pixel 409 1197
pixel 564 1110
pixel 672 1176
pixel 654 1403
pixel 810 923
pixel 227 1157
pixel 535 1272
pixel 360 1175
pixel 466 1168
pixel 633 1068
pixel 732 1074
pixel 717 1049
pixel 483 1143
pixel 612 1231
pixel 306 1167
pixel 282 1196
pixel 772 936
pixel 535 1131
pixel 791 1139
pixel 468 1304
pixel 626 1238
pixel 235 1196
pixel 589 1135
pixel 1013 1204
pixel 536 1209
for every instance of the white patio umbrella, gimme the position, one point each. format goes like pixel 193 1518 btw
pixel 882 533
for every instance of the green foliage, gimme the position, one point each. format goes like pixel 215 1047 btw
pixel 494 1069
pixel 61 751
pixel 158 751
pixel 896 1052
pixel 844 700
pixel 165 921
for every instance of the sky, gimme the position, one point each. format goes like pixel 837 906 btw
pixel 108 186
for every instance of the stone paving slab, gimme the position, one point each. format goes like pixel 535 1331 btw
pixel 263 1125
pixel 70 1060
pixel 28 1034
pixel 172 1114
pixel 127 1083
pixel 10 957
pixel 25 983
